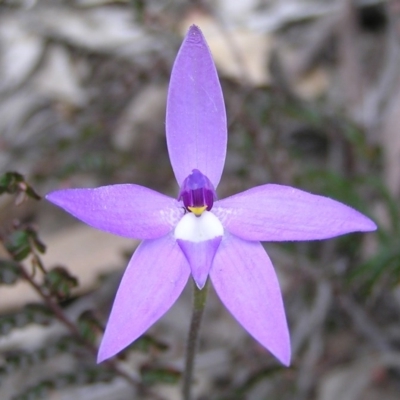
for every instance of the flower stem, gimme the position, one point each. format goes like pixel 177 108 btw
pixel 199 302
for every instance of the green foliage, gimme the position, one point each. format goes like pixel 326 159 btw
pixel 239 392
pixel 59 282
pixel 14 183
pixel 82 376
pixel 147 343
pixel 34 313
pixel 89 326
pixel 152 375
pixel 16 360
pixel 22 242
pixel 140 7
pixel 335 185
pixel 384 265
pixel 38 313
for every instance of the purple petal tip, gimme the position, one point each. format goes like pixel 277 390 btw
pixel 285 359
pixel 195 34
pixel 50 196
pixel 361 223
pixel 370 226
pixel 101 357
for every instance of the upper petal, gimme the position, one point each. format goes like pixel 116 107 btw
pixel 196 119
pixel 245 281
pixel 153 280
pixel 126 210
pixel 279 213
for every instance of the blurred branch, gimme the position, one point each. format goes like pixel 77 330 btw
pixel 60 315
pixel 314 318
pixel 364 325
pixel 351 71
pixel 308 375
pixel 24 242
pixel 377 100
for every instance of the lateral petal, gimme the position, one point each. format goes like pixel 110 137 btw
pixel 196 120
pixel 281 213
pixel 245 281
pixel 126 210
pixel 155 277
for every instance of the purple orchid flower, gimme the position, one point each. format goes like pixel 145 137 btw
pixel 198 234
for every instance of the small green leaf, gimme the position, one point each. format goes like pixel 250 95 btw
pixel 89 325
pixel 60 282
pixel 22 242
pixel 18 245
pixel 14 183
pixel 37 243
pixel 9 182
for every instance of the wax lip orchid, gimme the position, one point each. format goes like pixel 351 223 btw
pixel 196 233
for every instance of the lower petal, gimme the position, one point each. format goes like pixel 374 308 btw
pixel 199 238
pixel 244 279
pixel 155 277
pixel 200 257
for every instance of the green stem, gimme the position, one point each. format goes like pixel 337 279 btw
pixel 200 297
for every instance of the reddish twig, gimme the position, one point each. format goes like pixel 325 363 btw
pixel 60 315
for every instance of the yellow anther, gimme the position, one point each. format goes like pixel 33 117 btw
pixel 197 210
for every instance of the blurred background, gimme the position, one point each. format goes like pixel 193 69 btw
pixel 312 90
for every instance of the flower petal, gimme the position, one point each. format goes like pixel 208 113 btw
pixel 199 238
pixel 200 257
pixel 244 279
pixel 126 210
pixel 279 213
pixel 153 280
pixel 196 119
